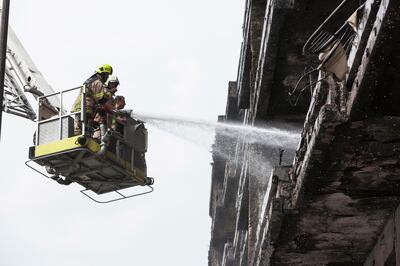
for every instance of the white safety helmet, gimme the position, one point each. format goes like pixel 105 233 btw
pixel 112 80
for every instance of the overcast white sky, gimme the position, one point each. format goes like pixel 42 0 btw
pixel 173 58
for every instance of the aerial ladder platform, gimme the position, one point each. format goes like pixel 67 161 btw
pixel 110 162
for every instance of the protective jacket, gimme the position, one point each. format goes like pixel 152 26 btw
pixel 96 94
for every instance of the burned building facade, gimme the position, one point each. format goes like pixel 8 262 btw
pixel 327 70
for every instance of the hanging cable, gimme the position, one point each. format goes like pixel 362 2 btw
pixel 293 92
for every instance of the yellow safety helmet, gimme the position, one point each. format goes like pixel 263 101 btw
pixel 106 68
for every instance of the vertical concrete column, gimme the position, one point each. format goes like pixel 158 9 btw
pixel 257 13
pixel 260 159
pixel 383 252
pixel 397 235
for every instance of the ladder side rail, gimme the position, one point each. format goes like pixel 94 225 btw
pixel 25 69
pixel 15 100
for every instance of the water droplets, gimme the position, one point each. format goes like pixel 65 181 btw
pixel 202 132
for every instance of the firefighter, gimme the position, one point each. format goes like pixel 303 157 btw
pixel 119 102
pixel 105 114
pixel 118 120
pixel 112 84
pixel 97 95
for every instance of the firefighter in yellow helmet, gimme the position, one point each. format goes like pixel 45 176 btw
pixel 97 94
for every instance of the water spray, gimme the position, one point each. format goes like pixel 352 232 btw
pixel 270 141
pixel 197 130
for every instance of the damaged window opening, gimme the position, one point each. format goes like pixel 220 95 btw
pixel 332 48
